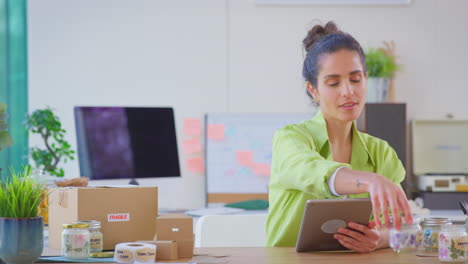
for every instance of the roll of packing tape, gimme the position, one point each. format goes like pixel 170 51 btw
pixel 135 252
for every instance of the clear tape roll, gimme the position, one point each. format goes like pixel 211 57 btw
pixel 135 253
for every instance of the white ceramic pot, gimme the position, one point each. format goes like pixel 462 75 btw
pixel 377 89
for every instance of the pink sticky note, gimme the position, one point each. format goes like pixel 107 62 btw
pixel 191 146
pixel 262 169
pixel 245 158
pixel 192 127
pixel 215 131
pixel 195 165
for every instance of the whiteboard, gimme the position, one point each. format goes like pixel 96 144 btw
pixel 226 171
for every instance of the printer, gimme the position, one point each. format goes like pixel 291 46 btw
pixel 440 155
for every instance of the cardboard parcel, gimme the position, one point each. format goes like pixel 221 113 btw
pixel 165 249
pixel 178 228
pixel 126 213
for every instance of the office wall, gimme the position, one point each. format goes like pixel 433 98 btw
pixel 226 56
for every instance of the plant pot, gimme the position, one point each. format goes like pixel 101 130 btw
pixel 377 89
pixel 21 239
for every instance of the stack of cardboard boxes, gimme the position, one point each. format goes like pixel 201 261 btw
pixel 127 214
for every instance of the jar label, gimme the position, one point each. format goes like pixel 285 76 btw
pixel 124 255
pixel 96 243
pixel 75 243
pixel 430 239
pixel 461 243
pixel 419 238
pixel 145 254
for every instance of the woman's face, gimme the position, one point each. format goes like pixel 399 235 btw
pixel 341 86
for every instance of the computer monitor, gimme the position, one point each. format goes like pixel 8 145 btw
pixel 126 142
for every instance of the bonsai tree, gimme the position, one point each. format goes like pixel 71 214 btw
pixel 45 123
pixel 5 138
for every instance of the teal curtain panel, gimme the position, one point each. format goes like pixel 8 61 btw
pixel 14 80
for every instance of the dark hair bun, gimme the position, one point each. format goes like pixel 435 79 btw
pixel 317 32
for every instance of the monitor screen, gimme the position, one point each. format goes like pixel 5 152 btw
pixel 126 142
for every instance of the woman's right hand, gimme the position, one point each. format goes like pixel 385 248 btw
pixel 385 193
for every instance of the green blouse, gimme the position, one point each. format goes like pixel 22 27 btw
pixel 302 163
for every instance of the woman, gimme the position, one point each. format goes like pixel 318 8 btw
pixel 326 157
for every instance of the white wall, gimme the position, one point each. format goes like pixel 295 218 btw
pixel 220 56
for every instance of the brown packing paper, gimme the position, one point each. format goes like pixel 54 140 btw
pixel 126 214
pixel 165 249
pixel 178 228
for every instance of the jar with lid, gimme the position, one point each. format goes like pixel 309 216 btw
pixel 75 241
pixel 96 240
pixel 405 239
pixel 431 228
pixel 453 244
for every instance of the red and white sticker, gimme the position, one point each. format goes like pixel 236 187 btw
pixel 118 217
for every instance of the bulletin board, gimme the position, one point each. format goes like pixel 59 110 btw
pixel 238 153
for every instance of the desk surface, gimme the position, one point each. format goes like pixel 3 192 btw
pixel 288 255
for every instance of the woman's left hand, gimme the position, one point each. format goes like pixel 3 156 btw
pixel 360 238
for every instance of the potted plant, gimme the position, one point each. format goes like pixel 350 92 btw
pixel 45 123
pixel 381 67
pixel 5 138
pixel 21 223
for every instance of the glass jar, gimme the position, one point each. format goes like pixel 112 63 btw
pixel 405 239
pixel 453 244
pixel 96 240
pixel 75 241
pixel 431 228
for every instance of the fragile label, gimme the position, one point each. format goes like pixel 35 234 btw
pixel 118 217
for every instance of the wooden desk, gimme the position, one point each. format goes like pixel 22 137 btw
pixel 277 255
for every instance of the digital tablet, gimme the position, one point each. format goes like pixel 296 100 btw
pixel 322 219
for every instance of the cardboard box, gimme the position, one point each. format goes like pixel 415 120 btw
pixel 127 214
pixel 178 228
pixel 165 249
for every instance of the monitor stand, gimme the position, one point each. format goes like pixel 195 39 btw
pixel 133 182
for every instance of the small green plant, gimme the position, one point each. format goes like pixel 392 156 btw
pixel 45 123
pixel 5 137
pixel 380 64
pixel 21 195
pixel 456 253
